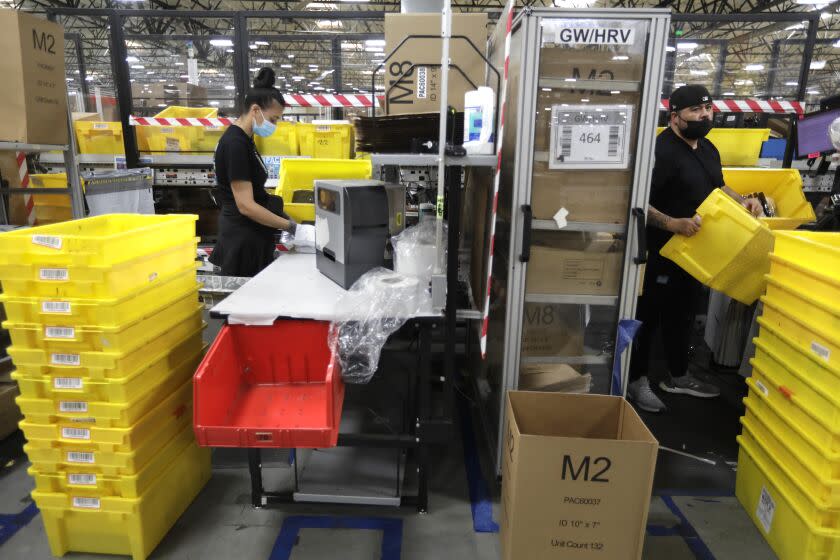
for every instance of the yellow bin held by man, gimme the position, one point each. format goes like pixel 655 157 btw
pixel 730 253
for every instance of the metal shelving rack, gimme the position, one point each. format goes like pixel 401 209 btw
pixel 70 159
pixel 536 88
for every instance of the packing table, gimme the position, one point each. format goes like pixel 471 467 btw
pixel 293 288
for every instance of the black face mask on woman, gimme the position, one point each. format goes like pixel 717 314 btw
pixel 695 130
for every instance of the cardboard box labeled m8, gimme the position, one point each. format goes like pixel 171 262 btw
pixel 420 91
pixel 551 329
pixel 577 474
pixel 33 109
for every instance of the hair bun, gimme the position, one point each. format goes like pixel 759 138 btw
pixel 265 78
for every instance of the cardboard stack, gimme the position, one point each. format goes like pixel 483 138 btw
pixel 33 109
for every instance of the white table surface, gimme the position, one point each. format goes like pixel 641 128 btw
pixel 291 287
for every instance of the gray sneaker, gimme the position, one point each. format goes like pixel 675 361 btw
pixel 689 385
pixel 640 394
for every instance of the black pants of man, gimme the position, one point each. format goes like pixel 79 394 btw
pixel 668 303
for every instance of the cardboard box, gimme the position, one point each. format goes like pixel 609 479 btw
pixel 420 92
pixel 577 474
pixel 589 196
pixel 9 412
pixel 553 377
pixel 565 263
pixel 181 93
pixel 33 108
pixel 552 330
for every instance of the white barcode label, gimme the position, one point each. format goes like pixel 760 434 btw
pixel 67 382
pixel 86 503
pixel 55 306
pixel 766 509
pixel 65 359
pixel 821 351
pixel 612 148
pixel 53 274
pixel 422 82
pixel 73 406
pixel 51 241
pixel 60 332
pixel 80 457
pixel 323 128
pixel 167 130
pixel 565 143
pixel 760 386
pixel 100 126
pixel 82 479
pixel 75 433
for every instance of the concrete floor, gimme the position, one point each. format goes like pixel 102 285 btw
pixel 693 513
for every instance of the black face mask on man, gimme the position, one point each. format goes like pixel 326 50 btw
pixel 694 130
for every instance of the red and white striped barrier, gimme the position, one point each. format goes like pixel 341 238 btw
pixel 23 175
pixel 500 135
pixel 160 121
pixel 752 106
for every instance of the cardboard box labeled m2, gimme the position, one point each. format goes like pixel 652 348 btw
pixel 577 476
pixel 33 106
pixel 420 92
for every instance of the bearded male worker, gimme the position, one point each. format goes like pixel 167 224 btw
pixel 687 169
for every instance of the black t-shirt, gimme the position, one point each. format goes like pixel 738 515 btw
pixel 682 179
pixel 237 159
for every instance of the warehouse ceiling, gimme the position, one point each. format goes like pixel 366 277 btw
pixel 759 59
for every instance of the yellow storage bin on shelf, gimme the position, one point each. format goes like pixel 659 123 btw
pixel 69 408
pixel 101 313
pixel 284 141
pixel 50 208
pixel 730 253
pixel 99 137
pixel 784 186
pixel 326 139
pixel 298 176
pixel 101 365
pixel 738 147
pixel 161 422
pixel 769 503
pixel 127 526
pixel 82 481
pixel 180 138
pixel 101 281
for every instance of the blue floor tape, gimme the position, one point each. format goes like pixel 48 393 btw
pixel 11 524
pixel 684 529
pixel 391 532
pixel 480 501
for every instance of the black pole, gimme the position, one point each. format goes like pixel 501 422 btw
pixel 122 80
pixel 241 74
pixel 807 56
pixel 790 147
pixel 337 80
pixel 80 60
pixel 721 69
pixel 774 64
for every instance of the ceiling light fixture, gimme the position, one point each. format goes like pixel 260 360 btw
pixel 375 42
pixel 132 59
pixel 683 46
pixel 265 61
pixel 138 67
pixel 729 93
pixel 817 64
pixel 230 88
pixel 754 67
pixel 221 42
pixel 698 72
pixel 621 57
pixel 285 66
pixel 261 43
pixel 791 83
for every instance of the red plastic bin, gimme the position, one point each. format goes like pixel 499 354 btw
pixel 273 386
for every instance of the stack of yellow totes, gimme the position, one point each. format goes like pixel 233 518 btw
pixel 106 331
pixel 789 461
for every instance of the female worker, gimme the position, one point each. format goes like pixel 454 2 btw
pixel 249 217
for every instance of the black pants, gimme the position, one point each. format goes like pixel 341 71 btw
pixel 668 302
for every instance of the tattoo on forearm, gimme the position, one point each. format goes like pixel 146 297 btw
pixel 658 219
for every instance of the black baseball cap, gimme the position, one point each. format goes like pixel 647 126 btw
pixel 689 96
